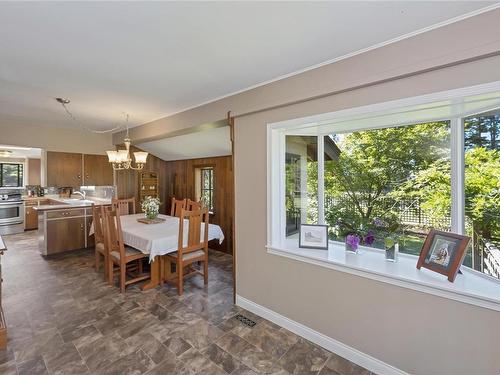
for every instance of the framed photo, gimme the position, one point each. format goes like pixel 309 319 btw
pixel 443 252
pixel 313 236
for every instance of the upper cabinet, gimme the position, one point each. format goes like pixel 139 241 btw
pixel 70 169
pixel 97 170
pixel 64 169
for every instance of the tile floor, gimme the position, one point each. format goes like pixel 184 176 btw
pixel 64 319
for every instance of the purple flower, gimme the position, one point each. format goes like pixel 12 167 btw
pixel 369 238
pixel 352 240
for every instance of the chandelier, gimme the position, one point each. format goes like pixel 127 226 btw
pixel 121 159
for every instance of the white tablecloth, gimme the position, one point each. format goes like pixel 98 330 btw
pixel 161 238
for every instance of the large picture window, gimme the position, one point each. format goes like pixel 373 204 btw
pixel 11 175
pixel 377 177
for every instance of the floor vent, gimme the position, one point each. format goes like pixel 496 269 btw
pixel 248 322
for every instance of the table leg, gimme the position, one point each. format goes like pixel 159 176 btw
pixel 155 275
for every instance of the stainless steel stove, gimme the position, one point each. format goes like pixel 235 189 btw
pixel 11 212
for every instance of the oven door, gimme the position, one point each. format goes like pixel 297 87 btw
pixel 11 213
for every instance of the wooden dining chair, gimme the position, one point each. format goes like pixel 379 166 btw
pixel 194 250
pixel 193 205
pixel 125 206
pixel 100 245
pixel 120 255
pixel 177 206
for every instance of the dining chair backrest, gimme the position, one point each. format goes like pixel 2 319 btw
pixel 194 220
pixel 177 206
pixel 114 232
pixel 98 221
pixel 193 205
pixel 125 206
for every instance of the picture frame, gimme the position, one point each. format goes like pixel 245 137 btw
pixel 443 252
pixel 313 236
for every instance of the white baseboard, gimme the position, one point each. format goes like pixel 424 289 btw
pixel 345 351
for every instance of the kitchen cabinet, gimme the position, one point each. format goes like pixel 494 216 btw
pixel 64 169
pixel 97 170
pixel 71 169
pixel 65 234
pixel 34 170
pixel 30 218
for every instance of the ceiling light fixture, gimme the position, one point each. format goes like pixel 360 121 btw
pixel 121 159
pixel 15 147
pixel 5 153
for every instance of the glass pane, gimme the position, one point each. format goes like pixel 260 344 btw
pixel 12 175
pixel 388 183
pixel 482 192
pixel 301 191
pixel 9 212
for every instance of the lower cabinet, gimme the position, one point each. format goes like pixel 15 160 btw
pixel 65 234
pixel 30 218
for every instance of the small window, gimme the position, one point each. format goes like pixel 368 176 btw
pixel 205 186
pixel 11 175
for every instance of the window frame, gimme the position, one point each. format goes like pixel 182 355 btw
pixel 313 125
pixel 20 179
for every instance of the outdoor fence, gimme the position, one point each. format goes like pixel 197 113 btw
pixel 409 211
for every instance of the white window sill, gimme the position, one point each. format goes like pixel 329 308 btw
pixel 470 287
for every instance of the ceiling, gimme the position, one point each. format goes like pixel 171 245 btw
pixel 207 143
pixel 152 59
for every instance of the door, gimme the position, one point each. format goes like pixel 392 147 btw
pixel 65 234
pixel 97 170
pixel 64 169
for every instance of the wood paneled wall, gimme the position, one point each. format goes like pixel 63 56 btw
pixel 181 184
pixel 177 178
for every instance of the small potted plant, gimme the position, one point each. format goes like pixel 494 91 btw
pixel 389 228
pixel 151 207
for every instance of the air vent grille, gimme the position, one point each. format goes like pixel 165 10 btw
pixel 246 321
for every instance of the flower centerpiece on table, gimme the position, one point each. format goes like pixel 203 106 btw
pixel 151 207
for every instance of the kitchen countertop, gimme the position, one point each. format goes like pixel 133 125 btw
pixel 70 203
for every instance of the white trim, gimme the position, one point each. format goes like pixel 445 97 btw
pixel 362 359
pixel 457 176
pixel 321 179
pixel 334 60
pixel 444 289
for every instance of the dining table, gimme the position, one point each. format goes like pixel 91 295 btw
pixel 159 239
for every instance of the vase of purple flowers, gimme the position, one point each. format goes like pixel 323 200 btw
pixel 352 241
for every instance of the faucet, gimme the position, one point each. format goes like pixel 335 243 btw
pixel 80 193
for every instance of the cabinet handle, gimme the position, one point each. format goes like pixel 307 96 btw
pixel 79 176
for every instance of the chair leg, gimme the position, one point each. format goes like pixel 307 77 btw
pixel 180 271
pixel 123 269
pixel 110 272
pixel 97 260
pixel 205 271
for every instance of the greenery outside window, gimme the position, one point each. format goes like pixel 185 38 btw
pixel 11 175
pixel 204 177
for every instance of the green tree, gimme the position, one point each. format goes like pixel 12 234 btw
pixel 374 164
pixel 482 189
